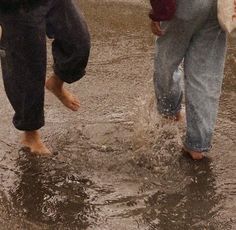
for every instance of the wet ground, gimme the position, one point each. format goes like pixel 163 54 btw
pixel 116 164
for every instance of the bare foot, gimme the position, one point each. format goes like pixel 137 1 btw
pixel 193 154
pixel 179 117
pixel 55 85
pixel 32 140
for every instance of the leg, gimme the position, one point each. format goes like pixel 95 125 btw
pixel 71 47
pixel 204 65
pixel 24 74
pixel 170 51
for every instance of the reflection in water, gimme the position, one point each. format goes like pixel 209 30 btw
pixel 189 207
pixel 48 193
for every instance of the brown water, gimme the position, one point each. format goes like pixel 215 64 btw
pixel 116 164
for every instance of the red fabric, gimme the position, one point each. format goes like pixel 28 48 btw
pixel 162 10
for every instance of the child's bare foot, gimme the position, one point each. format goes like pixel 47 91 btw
pixel 32 140
pixel 193 154
pixel 55 85
pixel 179 117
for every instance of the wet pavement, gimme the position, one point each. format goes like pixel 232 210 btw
pixel 116 164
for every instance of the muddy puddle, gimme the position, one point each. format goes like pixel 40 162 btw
pixel 116 164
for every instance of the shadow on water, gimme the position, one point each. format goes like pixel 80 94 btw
pixel 117 167
pixel 49 192
pixel 190 207
pixel 184 197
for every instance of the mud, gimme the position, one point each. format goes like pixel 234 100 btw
pixel 116 164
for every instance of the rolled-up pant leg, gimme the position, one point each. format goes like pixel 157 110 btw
pixel 204 65
pixel 23 67
pixel 71 45
pixel 170 51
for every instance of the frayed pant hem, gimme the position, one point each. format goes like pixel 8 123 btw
pixel 196 149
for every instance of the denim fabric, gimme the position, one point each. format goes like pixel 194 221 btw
pixel 188 10
pixel 198 40
pixel 24 62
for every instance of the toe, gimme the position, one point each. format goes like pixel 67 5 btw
pixel 75 101
pixel 74 107
pixel 196 156
pixel 76 104
pixel 41 151
pixel 193 155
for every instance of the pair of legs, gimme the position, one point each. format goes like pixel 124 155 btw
pixel 201 44
pixel 24 62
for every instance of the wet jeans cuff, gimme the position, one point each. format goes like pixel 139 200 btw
pixel 195 148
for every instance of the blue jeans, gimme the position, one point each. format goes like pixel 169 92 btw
pixel 194 37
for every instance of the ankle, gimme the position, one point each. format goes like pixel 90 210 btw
pixel 31 135
pixel 56 82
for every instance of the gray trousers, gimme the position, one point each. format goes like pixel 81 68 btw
pixel 195 37
pixel 24 62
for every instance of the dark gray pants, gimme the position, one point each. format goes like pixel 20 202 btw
pixel 24 64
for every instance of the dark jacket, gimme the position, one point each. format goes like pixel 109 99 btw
pixel 162 10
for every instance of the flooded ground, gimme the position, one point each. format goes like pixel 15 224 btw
pixel 116 164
